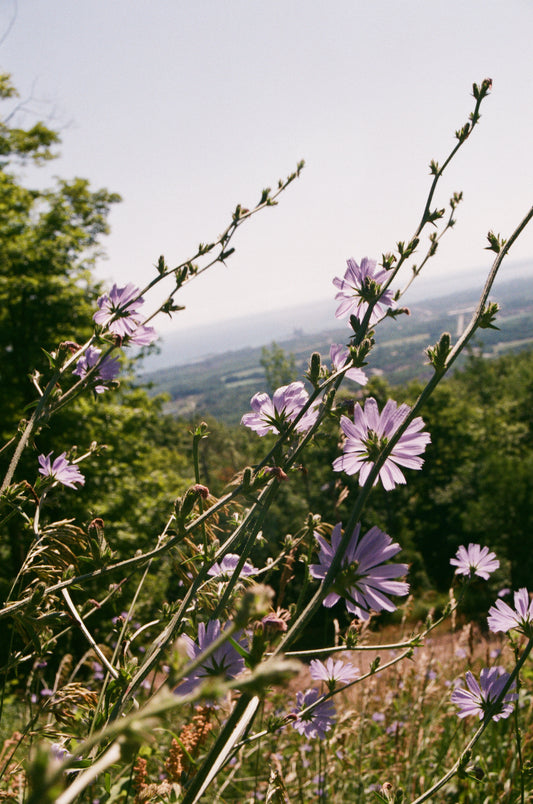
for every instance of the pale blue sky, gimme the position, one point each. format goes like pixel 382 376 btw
pixel 187 108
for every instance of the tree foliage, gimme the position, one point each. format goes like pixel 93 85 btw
pixel 279 366
pixel 49 241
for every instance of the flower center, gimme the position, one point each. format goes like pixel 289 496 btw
pixel 348 576
pixel 374 444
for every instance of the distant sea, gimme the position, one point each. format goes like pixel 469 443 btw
pixel 196 343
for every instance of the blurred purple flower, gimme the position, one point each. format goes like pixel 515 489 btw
pixel 107 370
pixel 332 671
pixel 338 355
pixel 395 727
pixel 360 287
pixel 143 336
pixel 119 312
pixel 503 618
pixel 226 661
pixel 317 721
pixel 271 415
pixel 59 752
pixel 475 560
pixel 369 434
pixel 61 470
pixel 479 697
pixel 364 579
pixel 227 567
pixel 319 780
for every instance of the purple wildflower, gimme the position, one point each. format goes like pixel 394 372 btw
pixel 143 336
pixel 59 753
pixel 395 727
pixel 475 560
pixel 320 789
pixel 226 661
pixel 332 672
pixel 479 697
pixel 369 434
pixel 228 565
pixel 119 312
pixel 339 354
pixel 98 671
pixel 61 470
pixel 271 415
pixel 364 579
pixel 276 621
pixel 360 288
pixel 317 721
pixel 107 370
pixel 503 618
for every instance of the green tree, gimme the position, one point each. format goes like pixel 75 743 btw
pixel 279 366
pixel 49 240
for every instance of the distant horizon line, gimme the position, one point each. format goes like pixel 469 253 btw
pixel 440 288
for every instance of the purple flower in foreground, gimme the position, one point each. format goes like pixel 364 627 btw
pixel 228 565
pixel 317 721
pixel 332 672
pixel 475 560
pixel 271 415
pixel 61 470
pixel 339 354
pixel 107 370
pixel 361 287
pixel 364 579
pixel 479 697
pixel 143 336
pixel 369 434
pixel 225 661
pixel 119 312
pixel 503 618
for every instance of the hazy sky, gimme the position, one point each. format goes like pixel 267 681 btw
pixel 188 108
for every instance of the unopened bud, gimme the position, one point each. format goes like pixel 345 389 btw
pixel 72 346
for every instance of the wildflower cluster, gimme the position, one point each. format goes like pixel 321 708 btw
pixel 220 637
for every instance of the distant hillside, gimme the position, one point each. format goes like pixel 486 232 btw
pixel 190 344
pixel 223 384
